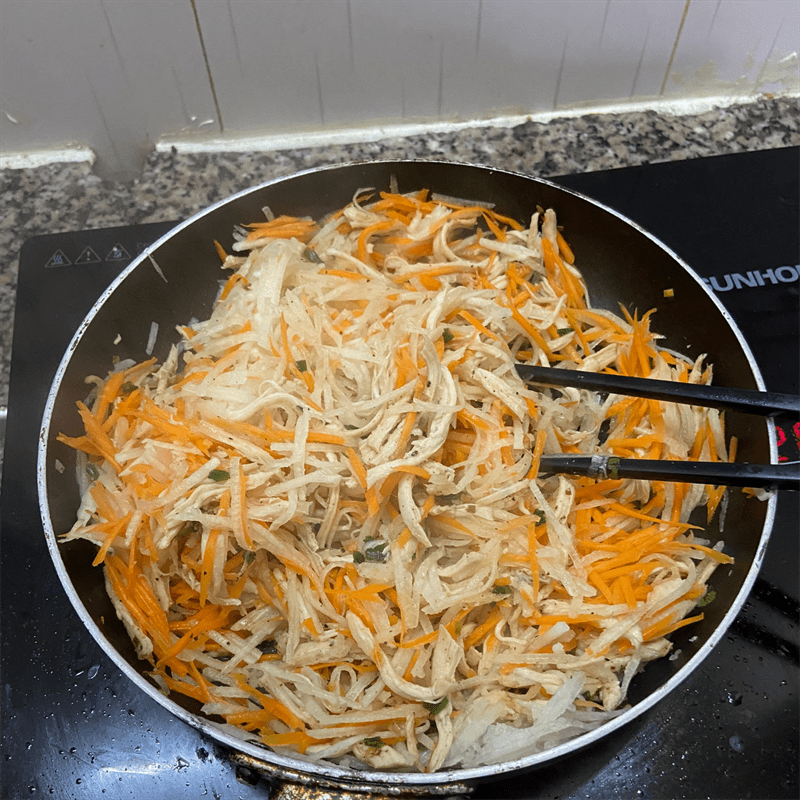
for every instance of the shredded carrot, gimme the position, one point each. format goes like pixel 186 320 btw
pixel 237 277
pixel 342 462
pixel 479 633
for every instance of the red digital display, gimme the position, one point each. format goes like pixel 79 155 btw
pixel 788 443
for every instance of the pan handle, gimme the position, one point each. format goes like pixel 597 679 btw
pixel 290 784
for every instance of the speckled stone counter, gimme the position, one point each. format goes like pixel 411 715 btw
pixel 64 197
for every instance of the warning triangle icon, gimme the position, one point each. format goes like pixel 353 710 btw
pixel 88 256
pixel 58 259
pixel 117 253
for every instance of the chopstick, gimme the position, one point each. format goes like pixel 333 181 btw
pixel 785 475
pixel 766 404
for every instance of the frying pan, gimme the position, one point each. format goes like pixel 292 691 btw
pixel 621 263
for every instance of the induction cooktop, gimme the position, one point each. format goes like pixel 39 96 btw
pixel 74 726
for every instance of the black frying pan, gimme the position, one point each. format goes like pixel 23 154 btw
pixel 622 264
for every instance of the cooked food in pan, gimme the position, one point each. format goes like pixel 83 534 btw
pixel 322 518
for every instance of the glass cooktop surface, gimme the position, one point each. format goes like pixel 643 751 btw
pixel 74 726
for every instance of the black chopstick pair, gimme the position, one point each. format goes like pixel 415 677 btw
pixel 785 475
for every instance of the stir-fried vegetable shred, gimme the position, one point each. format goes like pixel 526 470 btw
pixel 321 516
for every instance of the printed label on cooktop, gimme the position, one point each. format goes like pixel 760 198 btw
pixel 58 259
pixel 117 253
pixel 754 278
pixel 87 256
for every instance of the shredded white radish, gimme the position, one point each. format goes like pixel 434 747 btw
pixel 151 338
pixel 327 524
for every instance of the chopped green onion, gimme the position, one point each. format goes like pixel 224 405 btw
pixel 709 597
pixel 564 331
pixel 540 516
pixel 92 471
pixel 497 589
pixel 434 708
pixel 249 557
pixel 302 366
pixel 375 553
pixel 375 742
pixel 447 336
pixel 350 427
pixel 127 387
pixel 358 557
pixel 219 475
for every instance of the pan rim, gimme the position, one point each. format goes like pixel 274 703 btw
pixel 342 775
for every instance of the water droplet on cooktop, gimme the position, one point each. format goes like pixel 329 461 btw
pixel 736 744
pixel 93 670
pixel 734 698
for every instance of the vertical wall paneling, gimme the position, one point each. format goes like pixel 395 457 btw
pixel 520 52
pixel 157 44
pixel 47 92
pixel 268 59
pixel 535 51
pixel 416 59
pixel 111 73
pixel 733 46
pixel 623 58
pixel 118 74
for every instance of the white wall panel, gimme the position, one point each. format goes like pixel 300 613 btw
pixel 117 74
pixel 113 74
pixel 161 57
pixel 409 57
pixel 284 63
pixel 625 56
pixel 726 45
pixel 48 94
pixel 264 57
pixel 519 52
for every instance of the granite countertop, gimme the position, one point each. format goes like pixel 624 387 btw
pixel 65 197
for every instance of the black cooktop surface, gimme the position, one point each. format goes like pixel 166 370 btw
pixel 74 726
